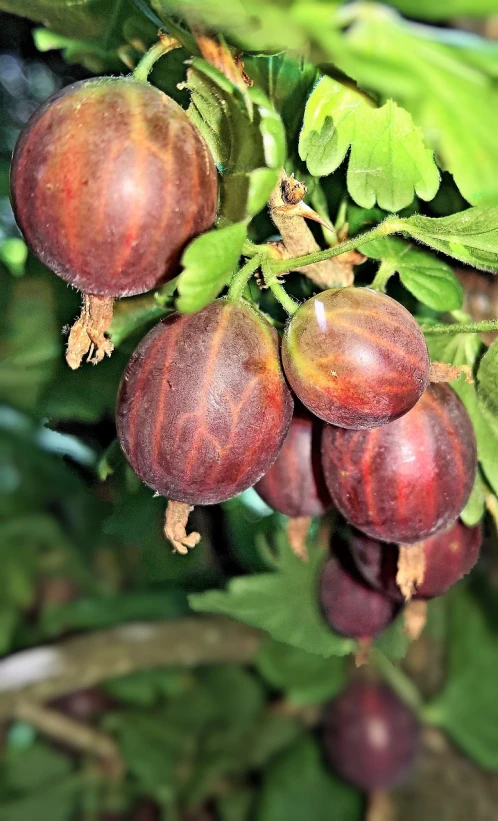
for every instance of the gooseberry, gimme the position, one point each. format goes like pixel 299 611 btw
pixel 407 480
pixel 349 605
pixel 110 180
pixel 448 557
pixel 371 737
pixel 356 358
pixel 294 485
pixel 203 407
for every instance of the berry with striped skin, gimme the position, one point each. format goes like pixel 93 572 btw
pixel 407 480
pixel 449 556
pixel 294 485
pixel 351 607
pixel 355 358
pixel 110 181
pixel 203 407
pixel 371 737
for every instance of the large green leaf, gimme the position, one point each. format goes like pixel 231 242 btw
pixel 263 600
pixel 388 163
pixel 429 10
pixel 467 707
pixel 298 786
pixel 85 18
pixel 445 82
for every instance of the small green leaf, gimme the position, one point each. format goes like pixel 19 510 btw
pixel 299 786
pixel 470 236
pixel 262 600
pixel 428 278
pixel 306 678
pixel 474 509
pixel 487 377
pixel 209 262
pixel 388 164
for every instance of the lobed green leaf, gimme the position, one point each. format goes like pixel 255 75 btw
pixel 388 163
pixel 262 600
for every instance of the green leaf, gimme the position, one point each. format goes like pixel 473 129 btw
pixel 201 736
pixel 144 688
pixel 245 135
pixel 429 10
pixel 41 778
pixel 428 278
pixel 470 236
pixel 87 18
pixel 463 349
pixel 31 342
pixel 474 509
pixel 253 25
pixel 299 786
pixel 487 391
pixel 209 262
pixel 467 708
pixel 35 767
pixel 388 163
pixel 262 600
pixel 287 81
pixel 236 806
pixel 305 678
pixel 445 82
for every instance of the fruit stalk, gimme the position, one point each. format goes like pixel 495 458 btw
pixel 164 45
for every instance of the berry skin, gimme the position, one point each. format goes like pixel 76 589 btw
pixel 407 480
pixel 355 358
pixel 109 182
pixel 449 556
pixel 350 606
pixel 203 407
pixel 371 737
pixel 294 485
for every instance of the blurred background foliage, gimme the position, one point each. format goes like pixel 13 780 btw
pixel 79 554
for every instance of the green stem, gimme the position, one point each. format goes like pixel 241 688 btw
pixel 385 272
pixel 390 226
pixel 286 301
pixel 146 64
pixel 461 328
pixel 398 680
pixel 242 277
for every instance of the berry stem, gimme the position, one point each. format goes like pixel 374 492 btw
pixel 271 281
pixel 389 226
pixel 242 277
pixel 400 683
pixel 164 45
pixel 461 328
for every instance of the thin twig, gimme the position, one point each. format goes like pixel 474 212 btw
pixel 42 674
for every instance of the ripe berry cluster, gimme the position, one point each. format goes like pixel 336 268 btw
pixel 110 181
